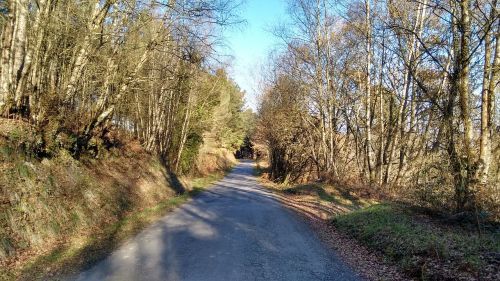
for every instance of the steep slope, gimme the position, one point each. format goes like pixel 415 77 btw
pixel 47 204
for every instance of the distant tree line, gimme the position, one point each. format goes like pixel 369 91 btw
pixel 395 93
pixel 246 150
pixel 74 69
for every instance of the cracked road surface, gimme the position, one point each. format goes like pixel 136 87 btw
pixel 235 230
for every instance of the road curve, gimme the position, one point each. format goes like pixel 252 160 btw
pixel 233 231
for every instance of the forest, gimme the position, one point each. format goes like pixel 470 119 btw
pixel 76 69
pixel 392 101
pixel 395 95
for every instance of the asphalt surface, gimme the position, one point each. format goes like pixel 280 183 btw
pixel 235 230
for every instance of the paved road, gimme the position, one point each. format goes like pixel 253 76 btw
pixel 234 231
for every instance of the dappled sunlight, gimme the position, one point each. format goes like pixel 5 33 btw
pixel 314 201
pixel 203 231
pixel 233 228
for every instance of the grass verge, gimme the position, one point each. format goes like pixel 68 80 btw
pixel 79 253
pixel 422 246
pixel 424 249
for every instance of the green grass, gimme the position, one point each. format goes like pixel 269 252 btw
pixel 424 247
pixel 203 182
pixel 406 240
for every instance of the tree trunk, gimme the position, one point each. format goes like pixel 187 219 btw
pixel 368 143
pixel 14 43
pixel 464 58
pixel 490 76
pixel 97 19
pixel 456 85
pixel 184 132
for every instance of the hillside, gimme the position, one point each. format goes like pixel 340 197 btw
pixel 61 209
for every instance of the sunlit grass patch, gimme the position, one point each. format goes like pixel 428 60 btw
pixel 203 182
pixel 417 245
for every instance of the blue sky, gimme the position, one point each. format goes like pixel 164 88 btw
pixel 250 44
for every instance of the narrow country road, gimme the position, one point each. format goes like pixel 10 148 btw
pixel 235 230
